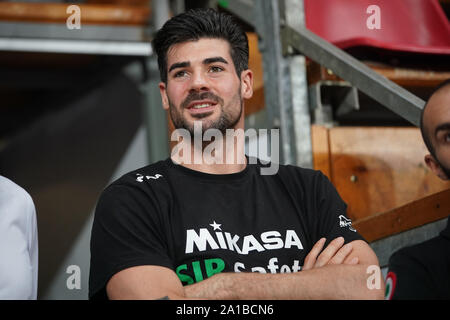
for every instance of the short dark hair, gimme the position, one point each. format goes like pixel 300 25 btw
pixel 201 23
pixel 423 129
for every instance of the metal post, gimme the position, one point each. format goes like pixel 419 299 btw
pixel 276 74
pixel 294 16
pixel 179 6
pixel 285 81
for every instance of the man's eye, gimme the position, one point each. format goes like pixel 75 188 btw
pixel 215 69
pixel 447 137
pixel 180 74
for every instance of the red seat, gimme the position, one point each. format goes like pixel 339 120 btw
pixel 418 26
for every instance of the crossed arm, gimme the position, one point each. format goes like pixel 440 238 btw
pixel 337 272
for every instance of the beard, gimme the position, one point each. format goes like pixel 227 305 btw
pixel 444 168
pixel 227 118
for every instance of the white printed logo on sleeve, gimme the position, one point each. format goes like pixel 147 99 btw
pixel 140 177
pixel 345 222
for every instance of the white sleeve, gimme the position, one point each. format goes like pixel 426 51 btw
pixel 33 248
pixel 18 243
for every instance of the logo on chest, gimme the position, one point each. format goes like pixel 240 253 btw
pixel 204 239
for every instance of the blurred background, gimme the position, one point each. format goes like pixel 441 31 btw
pixel 80 106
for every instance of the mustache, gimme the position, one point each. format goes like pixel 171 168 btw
pixel 195 96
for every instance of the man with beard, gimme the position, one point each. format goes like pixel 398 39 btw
pixel 422 271
pixel 182 230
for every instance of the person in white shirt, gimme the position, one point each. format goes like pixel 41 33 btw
pixel 18 243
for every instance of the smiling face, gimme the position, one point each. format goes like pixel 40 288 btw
pixel 202 85
pixel 436 120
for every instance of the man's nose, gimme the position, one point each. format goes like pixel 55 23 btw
pixel 199 82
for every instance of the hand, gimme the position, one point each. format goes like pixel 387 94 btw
pixel 335 253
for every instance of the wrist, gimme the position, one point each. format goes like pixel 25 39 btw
pixel 221 286
pixel 226 286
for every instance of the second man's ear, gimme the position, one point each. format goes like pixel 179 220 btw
pixel 435 167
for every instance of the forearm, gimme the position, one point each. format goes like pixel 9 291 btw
pixel 328 282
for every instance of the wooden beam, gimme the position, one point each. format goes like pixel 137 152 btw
pixel 401 76
pixel 409 216
pixel 90 13
pixel 321 150
pixel 142 3
pixel 377 169
pixel 412 77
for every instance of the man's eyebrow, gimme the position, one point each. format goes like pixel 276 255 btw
pixel 444 126
pixel 179 65
pixel 214 60
pixel 185 64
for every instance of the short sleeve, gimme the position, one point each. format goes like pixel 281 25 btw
pixel 333 221
pixel 407 278
pixel 127 231
pixel 33 247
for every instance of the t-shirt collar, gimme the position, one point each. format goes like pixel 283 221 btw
pixel 207 176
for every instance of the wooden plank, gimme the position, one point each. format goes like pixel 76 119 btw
pixel 321 150
pixel 143 3
pixel 401 76
pixel 409 216
pixel 315 73
pixel 377 169
pixel 412 77
pixel 90 13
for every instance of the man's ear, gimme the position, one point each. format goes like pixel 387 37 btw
pixel 247 84
pixel 164 98
pixel 435 167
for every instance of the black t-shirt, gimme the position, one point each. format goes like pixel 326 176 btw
pixel 200 224
pixel 421 271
